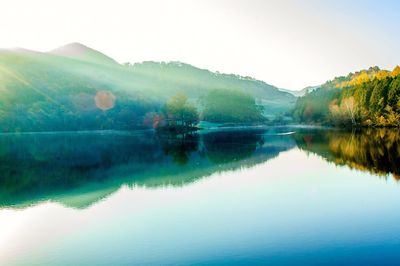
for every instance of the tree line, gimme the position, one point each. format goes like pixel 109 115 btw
pixel 372 102
pixel 219 106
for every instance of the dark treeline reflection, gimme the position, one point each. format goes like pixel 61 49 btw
pixel 223 147
pixel 179 147
pixel 373 150
pixel 78 169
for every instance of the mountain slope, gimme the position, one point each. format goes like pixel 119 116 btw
pixel 60 90
pixel 301 92
pixel 81 52
pixel 195 82
pixel 369 97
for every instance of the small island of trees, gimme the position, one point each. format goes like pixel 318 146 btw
pixel 180 115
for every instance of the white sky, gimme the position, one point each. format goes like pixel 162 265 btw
pixel 290 44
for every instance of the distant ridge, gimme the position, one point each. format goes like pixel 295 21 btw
pixel 301 92
pixel 81 52
pixel 57 90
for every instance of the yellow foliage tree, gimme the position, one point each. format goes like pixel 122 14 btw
pixel 396 71
pixel 382 74
pixel 381 121
pixel 363 77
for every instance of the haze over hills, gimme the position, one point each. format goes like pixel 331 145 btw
pixel 57 90
pixel 303 91
pixel 82 52
pixel 75 87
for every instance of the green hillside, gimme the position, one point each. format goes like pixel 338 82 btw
pixel 368 97
pixel 75 87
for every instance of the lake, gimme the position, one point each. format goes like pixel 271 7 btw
pixel 276 196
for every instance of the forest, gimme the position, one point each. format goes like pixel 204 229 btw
pixel 366 98
pixel 56 92
pixel 218 106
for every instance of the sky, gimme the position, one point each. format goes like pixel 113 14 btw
pixel 288 43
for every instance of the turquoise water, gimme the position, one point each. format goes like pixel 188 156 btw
pixel 278 196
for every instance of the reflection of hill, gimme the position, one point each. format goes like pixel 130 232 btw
pixel 78 169
pixel 373 150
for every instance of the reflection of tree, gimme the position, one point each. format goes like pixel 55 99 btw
pixel 32 164
pixel 377 151
pixel 373 150
pixel 180 146
pixel 78 164
pixel 224 147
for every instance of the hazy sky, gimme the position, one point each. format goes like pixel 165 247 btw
pixel 290 44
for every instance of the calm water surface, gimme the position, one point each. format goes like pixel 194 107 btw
pixel 277 196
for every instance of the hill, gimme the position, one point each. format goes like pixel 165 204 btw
pixel 301 92
pixel 78 88
pixel 359 77
pixel 369 97
pixel 81 52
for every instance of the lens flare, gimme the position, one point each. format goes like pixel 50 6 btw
pixel 104 100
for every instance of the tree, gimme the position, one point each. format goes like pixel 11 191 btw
pixel 350 108
pixel 379 95
pixel 345 113
pixel 180 113
pixel 392 117
pixel 382 74
pixel 396 71
pixel 394 94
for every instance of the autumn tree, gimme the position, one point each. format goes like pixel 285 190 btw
pixel 344 113
pixel 396 71
pixel 374 102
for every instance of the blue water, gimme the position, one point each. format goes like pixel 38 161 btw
pixel 283 203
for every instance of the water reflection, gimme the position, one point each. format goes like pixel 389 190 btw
pixel 64 166
pixel 371 150
pixel 180 146
pixel 79 169
pixel 295 209
pixel 224 147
